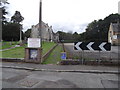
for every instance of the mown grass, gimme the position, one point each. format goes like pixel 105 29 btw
pixel 46 46
pixel 19 52
pixel 5 44
pixel 55 56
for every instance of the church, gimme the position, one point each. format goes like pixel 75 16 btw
pixel 47 33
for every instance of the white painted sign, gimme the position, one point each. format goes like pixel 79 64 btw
pixel 114 36
pixel 34 42
pixel 102 46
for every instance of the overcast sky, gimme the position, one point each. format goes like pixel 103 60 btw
pixel 64 15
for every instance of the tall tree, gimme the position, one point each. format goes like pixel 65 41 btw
pixel 27 33
pixel 17 17
pixel 3 4
pixel 11 31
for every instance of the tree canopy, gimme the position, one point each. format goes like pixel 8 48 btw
pixel 11 30
pixel 3 4
pixel 17 17
pixel 97 30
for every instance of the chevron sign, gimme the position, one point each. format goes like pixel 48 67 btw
pixel 92 46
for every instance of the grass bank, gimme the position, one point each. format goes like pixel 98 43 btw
pixel 19 52
pixel 55 56
pixel 46 46
pixel 6 44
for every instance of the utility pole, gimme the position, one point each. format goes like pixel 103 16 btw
pixel 99 42
pixel 40 22
pixel 20 34
pixel 0 24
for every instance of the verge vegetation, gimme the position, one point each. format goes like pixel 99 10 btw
pixel 19 52
pixel 55 56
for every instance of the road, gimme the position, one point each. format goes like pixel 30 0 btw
pixel 25 78
pixel 15 78
pixel 112 55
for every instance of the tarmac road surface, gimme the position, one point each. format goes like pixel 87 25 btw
pixel 28 75
pixel 14 78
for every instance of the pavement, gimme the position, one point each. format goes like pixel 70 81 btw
pixel 61 68
pixel 7 48
pixel 29 75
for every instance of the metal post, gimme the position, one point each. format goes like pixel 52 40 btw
pixel 99 50
pixel 40 22
pixel 99 57
pixel 110 55
pixel 83 57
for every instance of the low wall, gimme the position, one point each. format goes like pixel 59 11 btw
pixel 89 62
pixel 12 59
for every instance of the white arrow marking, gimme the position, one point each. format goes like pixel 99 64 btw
pixel 101 46
pixel 77 46
pixel 89 46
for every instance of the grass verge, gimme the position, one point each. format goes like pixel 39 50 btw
pixel 5 44
pixel 55 56
pixel 46 46
pixel 19 52
pixel 14 53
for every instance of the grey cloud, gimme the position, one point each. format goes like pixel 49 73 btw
pixel 70 27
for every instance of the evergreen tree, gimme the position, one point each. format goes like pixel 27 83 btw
pixel 17 17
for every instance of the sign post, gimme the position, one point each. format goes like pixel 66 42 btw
pixel 33 53
pixel 63 56
pixel 92 46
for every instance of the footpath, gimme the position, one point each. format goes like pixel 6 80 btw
pixel 61 68
pixel 7 49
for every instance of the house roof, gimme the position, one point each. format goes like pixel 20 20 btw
pixel 116 27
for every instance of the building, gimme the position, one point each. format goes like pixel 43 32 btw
pixel 47 33
pixel 114 33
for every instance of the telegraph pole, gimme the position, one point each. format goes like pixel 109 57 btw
pixel 20 34
pixel 40 22
pixel 0 24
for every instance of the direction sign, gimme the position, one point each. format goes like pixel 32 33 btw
pixel 63 55
pixel 92 46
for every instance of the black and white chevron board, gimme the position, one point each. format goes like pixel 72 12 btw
pixel 92 46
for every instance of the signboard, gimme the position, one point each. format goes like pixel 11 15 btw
pixel 114 36
pixel 101 46
pixel 34 42
pixel 63 55
pixel 33 54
